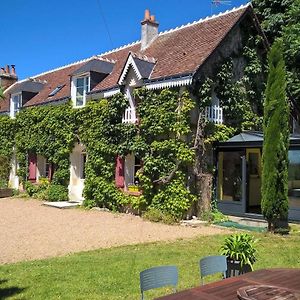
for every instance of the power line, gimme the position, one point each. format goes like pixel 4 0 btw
pixel 105 24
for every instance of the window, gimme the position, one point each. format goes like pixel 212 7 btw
pixel 16 104
pixel 82 167
pixel 47 168
pixel 56 90
pixel 81 86
pixel 230 176
pixel 137 166
pixel 130 112
pixel 294 178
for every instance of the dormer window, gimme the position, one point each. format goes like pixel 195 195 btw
pixel 80 87
pixel 15 104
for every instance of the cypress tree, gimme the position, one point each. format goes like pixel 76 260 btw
pixel 276 142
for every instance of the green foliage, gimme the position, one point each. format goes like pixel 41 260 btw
pixel 57 192
pixel 101 130
pixel 214 216
pixel 240 247
pixel 272 15
pixel 7 135
pixel 49 131
pixel 280 19
pixel 4 170
pixel 276 141
pixel 291 39
pixel 165 150
pixel 218 133
pixel 173 198
pixel 156 215
pixel 31 189
pixel 241 103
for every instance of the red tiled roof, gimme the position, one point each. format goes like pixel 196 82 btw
pixel 179 51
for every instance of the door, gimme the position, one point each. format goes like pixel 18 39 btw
pixel 253 157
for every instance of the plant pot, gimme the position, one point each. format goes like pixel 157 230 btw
pixel 133 188
pixel 234 268
pixel 6 192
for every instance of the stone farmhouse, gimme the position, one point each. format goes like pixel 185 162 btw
pixel 178 58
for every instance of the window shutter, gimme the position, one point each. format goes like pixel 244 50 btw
pixel 119 176
pixel 32 161
pixel 51 171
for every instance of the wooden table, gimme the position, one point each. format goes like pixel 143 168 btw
pixel 227 289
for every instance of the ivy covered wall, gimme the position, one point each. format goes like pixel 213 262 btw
pixel 172 139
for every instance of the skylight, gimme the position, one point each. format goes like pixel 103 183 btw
pixel 56 90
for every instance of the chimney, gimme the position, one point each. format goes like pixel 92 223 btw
pixel 8 76
pixel 149 30
pixel 7 70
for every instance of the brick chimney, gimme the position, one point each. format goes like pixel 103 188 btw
pixel 149 30
pixel 8 76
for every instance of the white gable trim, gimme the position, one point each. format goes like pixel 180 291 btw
pixel 110 93
pixel 130 63
pixel 169 83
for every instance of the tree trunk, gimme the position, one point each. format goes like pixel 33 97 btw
pixel 203 180
pixel 204 188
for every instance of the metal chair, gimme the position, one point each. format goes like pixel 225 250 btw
pixel 213 264
pixel 158 277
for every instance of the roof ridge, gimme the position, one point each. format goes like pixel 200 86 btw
pixel 208 18
pixel 81 61
pixel 136 42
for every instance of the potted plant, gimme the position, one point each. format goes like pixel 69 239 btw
pixel 240 250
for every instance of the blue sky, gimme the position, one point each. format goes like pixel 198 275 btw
pixel 38 35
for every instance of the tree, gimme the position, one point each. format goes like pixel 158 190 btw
pixel 281 18
pixel 276 142
pixel 291 39
pixel 273 16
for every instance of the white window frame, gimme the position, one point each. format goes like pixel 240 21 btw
pixel 130 112
pixel 14 109
pixel 85 90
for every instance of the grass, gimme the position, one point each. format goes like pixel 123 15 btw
pixel 114 273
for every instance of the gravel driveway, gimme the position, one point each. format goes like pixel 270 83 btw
pixel 29 230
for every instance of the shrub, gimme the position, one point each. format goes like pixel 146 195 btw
pixel 4 171
pixel 31 189
pixel 240 247
pixel 214 216
pixel 155 215
pixel 57 192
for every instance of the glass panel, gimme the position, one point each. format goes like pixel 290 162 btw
pixel 47 168
pixel 83 161
pixel 137 166
pixel 79 101
pixel 80 82
pixel 294 178
pixel 253 164
pixel 17 103
pixel 230 176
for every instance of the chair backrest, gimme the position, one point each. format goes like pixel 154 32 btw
pixel 213 264
pixel 158 277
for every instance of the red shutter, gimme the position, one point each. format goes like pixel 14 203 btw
pixel 119 176
pixel 32 160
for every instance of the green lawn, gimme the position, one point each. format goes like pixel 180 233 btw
pixel 114 273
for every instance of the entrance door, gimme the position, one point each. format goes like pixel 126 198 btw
pixel 253 157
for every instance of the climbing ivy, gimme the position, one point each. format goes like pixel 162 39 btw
pixel 48 131
pixel 7 134
pixel 165 146
pixel 101 131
